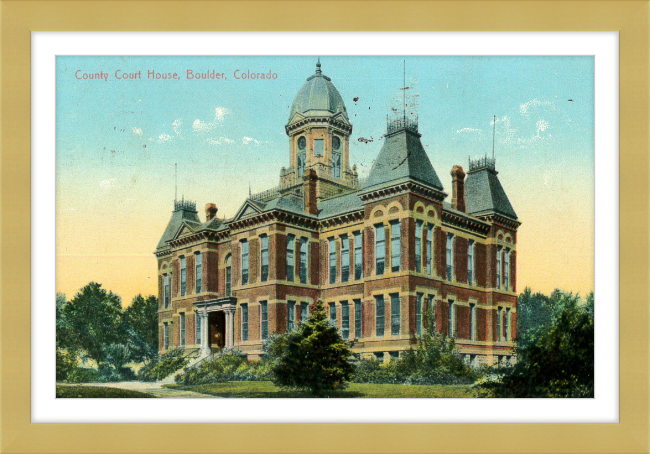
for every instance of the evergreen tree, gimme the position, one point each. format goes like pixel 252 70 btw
pixel 316 357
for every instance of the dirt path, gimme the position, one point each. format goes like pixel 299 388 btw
pixel 155 389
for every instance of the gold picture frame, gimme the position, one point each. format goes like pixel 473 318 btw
pixel 18 18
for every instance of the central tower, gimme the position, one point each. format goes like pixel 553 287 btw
pixel 319 136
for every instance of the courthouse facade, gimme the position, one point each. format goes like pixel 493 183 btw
pixel 380 255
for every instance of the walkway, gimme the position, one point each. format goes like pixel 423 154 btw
pixel 154 388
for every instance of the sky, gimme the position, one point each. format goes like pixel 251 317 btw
pixel 118 140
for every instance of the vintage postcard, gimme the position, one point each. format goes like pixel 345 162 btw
pixel 325 226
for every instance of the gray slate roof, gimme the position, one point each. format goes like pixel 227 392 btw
pixel 318 96
pixel 339 205
pixel 178 217
pixel 402 157
pixel 484 194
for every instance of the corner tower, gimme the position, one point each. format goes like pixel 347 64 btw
pixel 319 136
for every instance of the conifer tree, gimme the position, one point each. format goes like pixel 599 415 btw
pixel 316 357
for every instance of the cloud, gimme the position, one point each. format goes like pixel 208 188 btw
pixel 176 125
pixel 220 113
pixel 162 138
pixel 201 126
pixel 219 141
pixel 542 125
pixel 461 131
pixel 525 107
pixel 107 185
pixel 249 140
pixel 137 131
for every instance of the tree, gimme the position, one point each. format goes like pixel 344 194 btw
pixel 92 320
pixel 141 318
pixel 316 357
pixel 558 360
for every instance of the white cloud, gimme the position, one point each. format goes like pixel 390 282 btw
pixel 542 125
pixel 162 138
pixel 524 108
pixel 220 113
pixel 202 126
pixel 176 125
pixel 137 131
pixel 247 140
pixel 460 131
pixel 219 141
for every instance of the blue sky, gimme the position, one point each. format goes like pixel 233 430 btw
pixel 118 140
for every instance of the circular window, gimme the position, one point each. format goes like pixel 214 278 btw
pixel 336 143
pixel 302 143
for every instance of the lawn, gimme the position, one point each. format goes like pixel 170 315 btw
pixel 266 389
pixel 96 391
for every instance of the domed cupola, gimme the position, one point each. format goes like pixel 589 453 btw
pixel 319 136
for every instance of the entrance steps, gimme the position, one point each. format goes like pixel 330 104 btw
pixel 194 362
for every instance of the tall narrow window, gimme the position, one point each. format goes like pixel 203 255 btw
pixel 228 275
pixel 418 313
pixel 304 269
pixel 418 246
pixel 429 258
pixel 304 312
pixel 380 248
pixel 166 337
pixel 472 321
pixel 345 320
pixel 332 248
pixel 396 246
pixel 318 147
pixel 183 276
pixel 291 315
pixel 264 258
pixel 379 322
pixel 470 262
pixel 244 262
pixel 166 279
pixel 499 320
pixel 450 256
pixel 244 322
pixel 395 312
pixel 507 322
pixel 506 271
pixel 451 316
pixel 345 258
pixel 358 317
pixel 499 267
pixel 358 256
pixel 264 319
pixel 432 311
pixel 182 323
pixel 199 271
pixel 301 164
pixel 336 165
pixel 197 329
pixel 333 314
pixel 290 260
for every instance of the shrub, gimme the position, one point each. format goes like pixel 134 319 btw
pixel 83 375
pixel 65 364
pixel 232 366
pixel 316 357
pixel 163 365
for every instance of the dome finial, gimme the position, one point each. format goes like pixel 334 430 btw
pixel 318 71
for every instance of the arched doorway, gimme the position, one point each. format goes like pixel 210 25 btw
pixel 217 322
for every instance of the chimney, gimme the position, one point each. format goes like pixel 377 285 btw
pixel 310 178
pixel 458 188
pixel 210 211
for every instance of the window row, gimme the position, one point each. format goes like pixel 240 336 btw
pixel 198 281
pixel 333 251
pixel 293 243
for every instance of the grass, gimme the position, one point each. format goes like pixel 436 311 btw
pixel 96 391
pixel 266 389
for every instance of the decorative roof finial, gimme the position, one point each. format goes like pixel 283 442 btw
pixel 318 71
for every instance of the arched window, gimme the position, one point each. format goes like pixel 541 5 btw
pixel 228 275
pixel 301 164
pixel 336 165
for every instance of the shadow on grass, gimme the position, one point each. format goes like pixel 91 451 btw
pixel 83 392
pixel 262 390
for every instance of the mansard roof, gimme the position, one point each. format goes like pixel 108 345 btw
pixel 342 204
pixel 485 195
pixel 402 158
pixel 184 212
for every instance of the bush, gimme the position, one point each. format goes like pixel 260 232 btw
pixel 83 375
pixel 163 365
pixel 65 364
pixel 232 366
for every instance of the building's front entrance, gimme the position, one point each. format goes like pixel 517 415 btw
pixel 217 337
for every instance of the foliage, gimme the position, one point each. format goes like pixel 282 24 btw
pixel 94 326
pixel 232 366
pixel 434 361
pixel 163 365
pixel 67 392
pixel 557 359
pixel 316 357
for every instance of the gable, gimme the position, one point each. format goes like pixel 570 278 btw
pixel 249 208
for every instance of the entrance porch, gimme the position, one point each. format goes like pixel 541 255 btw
pixel 217 321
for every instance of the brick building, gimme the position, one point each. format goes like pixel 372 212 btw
pixel 379 254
